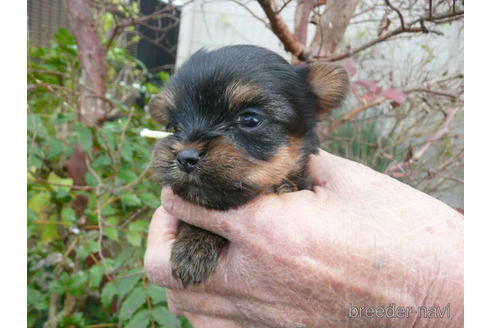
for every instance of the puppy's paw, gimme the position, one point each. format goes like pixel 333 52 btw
pixel 195 254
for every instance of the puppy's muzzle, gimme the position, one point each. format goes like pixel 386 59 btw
pixel 188 160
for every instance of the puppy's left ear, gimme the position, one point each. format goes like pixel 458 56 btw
pixel 158 104
pixel 329 83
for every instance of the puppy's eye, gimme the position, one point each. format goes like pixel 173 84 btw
pixel 249 120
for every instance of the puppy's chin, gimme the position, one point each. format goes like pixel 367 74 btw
pixel 215 192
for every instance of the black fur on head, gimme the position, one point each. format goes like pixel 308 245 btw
pixel 244 124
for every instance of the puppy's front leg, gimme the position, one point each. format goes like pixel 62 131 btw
pixel 195 254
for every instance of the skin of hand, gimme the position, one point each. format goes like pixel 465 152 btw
pixel 314 258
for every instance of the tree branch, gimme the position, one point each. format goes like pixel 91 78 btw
pixel 332 26
pixel 239 3
pixel 402 21
pixel 303 11
pixel 325 132
pixel 434 92
pixel 435 19
pixel 281 30
pixel 93 109
pixel 414 157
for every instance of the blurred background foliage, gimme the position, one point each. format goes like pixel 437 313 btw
pixel 85 269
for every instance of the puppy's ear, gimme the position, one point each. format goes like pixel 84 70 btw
pixel 329 83
pixel 158 105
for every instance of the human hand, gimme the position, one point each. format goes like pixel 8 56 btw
pixel 308 258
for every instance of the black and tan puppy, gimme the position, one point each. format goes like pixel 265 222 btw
pixel 244 124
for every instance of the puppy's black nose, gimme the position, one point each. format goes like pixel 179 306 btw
pixel 188 159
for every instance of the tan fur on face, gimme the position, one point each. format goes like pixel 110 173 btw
pixel 265 174
pixel 329 83
pixel 158 105
pixel 198 146
pixel 272 172
pixel 238 93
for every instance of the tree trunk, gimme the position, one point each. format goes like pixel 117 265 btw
pixel 93 107
pixel 332 26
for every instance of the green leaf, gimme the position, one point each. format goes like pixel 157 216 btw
pixel 33 296
pixel 133 302
pixel 56 148
pixel 65 37
pixel 59 182
pixel 101 162
pixel 165 318
pixel 36 299
pixel 108 21
pixel 164 76
pixel 134 238
pixel 150 199
pixel 50 230
pixel 138 226
pixel 56 287
pixel 124 285
pixel 68 214
pixel 157 293
pixel 84 250
pixel 139 320
pixel 105 138
pixel 77 283
pixel 90 179
pixel 111 229
pixel 127 176
pixel 39 203
pixel 152 89
pixel 126 151
pixel 108 293
pixel 35 125
pixel 85 139
pixel 75 319
pixel 130 200
pixel 96 273
pixel 108 210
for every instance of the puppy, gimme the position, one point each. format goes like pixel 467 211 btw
pixel 244 124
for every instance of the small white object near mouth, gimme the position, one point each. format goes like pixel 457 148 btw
pixel 154 134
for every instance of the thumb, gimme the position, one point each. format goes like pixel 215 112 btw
pixel 162 233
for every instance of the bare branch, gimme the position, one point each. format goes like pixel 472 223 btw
pixel 281 30
pixel 402 21
pixel 416 155
pixel 285 4
pixel 325 132
pixel 435 19
pixel 434 92
pixel 303 11
pixel 239 3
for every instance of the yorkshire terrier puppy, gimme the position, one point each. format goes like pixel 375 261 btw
pixel 244 123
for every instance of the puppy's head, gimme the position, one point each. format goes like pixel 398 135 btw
pixel 243 120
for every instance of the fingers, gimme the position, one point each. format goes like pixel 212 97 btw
pixel 341 176
pixel 185 301
pixel 203 321
pixel 260 215
pixel 162 232
pixel 157 261
pixel 324 168
pixel 223 223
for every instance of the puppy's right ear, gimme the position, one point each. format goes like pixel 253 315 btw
pixel 329 83
pixel 158 105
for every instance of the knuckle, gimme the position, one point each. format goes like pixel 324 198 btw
pixel 177 304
